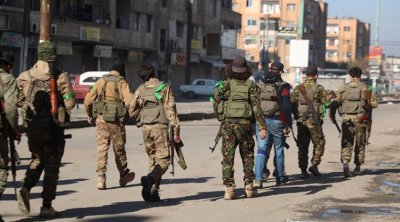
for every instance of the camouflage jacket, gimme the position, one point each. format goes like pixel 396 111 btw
pixel 10 97
pixel 167 97
pixel 222 92
pixel 319 96
pixel 124 92
pixel 341 96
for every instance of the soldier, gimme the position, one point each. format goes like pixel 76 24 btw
pixel 355 101
pixel 8 115
pixel 108 102
pixel 45 136
pixel 276 107
pixel 237 102
pixel 308 99
pixel 153 105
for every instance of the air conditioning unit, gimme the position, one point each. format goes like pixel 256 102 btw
pixel 53 29
pixel 34 27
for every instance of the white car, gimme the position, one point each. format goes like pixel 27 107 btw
pixel 199 87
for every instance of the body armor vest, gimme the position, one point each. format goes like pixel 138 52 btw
pixel 311 94
pixel 153 109
pixel 238 103
pixel 269 98
pixel 352 100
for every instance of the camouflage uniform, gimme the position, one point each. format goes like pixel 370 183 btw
pixel 238 131
pixel 107 131
pixel 352 130
pixel 8 96
pixel 45 136
pixel 155 130
pixel 306 128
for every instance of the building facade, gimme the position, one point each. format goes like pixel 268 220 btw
pixel 93 34
pixel 348 40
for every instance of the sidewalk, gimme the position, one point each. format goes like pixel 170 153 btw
pixel 187 110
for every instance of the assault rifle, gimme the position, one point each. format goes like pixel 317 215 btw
pixel 367 117
pixel 311 110
pixel 11 137
pixel 217 138
pixel 175 147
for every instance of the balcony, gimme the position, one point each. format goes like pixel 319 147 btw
pixel 231 18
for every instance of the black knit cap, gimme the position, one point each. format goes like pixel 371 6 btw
pixel 312 70
pixel 6 57
pixel 119 67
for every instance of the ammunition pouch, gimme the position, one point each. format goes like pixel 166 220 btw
pixel 115 111
pixel 219 110
pixel 97 109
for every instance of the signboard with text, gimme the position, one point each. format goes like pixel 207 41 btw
pixel 375 61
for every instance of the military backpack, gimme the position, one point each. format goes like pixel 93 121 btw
pixel 269 97
pixel 114 110
pixel 238 103
pixel 352 99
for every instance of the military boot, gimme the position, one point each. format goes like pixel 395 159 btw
pixel 258 184
pixel 1 219
pixel 128 177
pixel 48 212
pixel 304 174
pixel 314 170
pixel 250 191
pixel 101 182
pixel 346 170
pixel 155 196
pixel 147 184
pixel 23 201
pixel 230 193
pixel 357 169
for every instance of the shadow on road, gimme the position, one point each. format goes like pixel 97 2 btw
pixel 128 207
pixel 186 180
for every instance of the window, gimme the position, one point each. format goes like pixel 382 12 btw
pixel 164 3
pixel 332 29
pixel 213 8
pixel 196 32
pixel 251 39
pixel 347 28
pixel 163 38
pixel 291 7
pixel 201 83
pixel 137 24
pixel 249 3
pixel 270 8
pixel 149 23
pixel 332 42
pixel 179 29
pixel 251 22
pixel 331 54
pixel 4 21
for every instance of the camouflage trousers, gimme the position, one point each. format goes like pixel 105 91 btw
pixel 47 146
pixel 308 132
pixel 155 139
pixel 105 133
pixel 237 133
pixel 4 159
pixel 352 131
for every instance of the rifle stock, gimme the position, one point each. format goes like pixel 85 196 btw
pixel 311 110
pixel 175 147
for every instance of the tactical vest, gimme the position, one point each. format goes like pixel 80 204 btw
pixel 313 96
pixel 153 108
pixel 112 110
pixel 238 103
pixel 352 100
pixel 269 98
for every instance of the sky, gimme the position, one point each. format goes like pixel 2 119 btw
pixel 365 11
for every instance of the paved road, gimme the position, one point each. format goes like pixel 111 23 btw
pixel 197 193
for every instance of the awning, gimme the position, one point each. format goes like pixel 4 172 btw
pixel 215 62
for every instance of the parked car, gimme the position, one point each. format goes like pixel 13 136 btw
pixel 84 81
pixel 199 87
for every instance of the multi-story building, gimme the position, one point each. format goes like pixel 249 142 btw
pixel 347 40
pixel 92 34
pixel 213 39
pixel 391 68
pixel 269 25
pixel 89 35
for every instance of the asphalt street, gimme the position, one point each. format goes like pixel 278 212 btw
pixel 196 194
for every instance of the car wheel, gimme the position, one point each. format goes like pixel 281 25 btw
pixel 190 94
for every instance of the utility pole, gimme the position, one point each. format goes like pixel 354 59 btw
pixel 24 47
pixel 377 21
pixel 188 41
pixel 300 28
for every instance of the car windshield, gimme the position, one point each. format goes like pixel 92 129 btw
pixel 91 79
